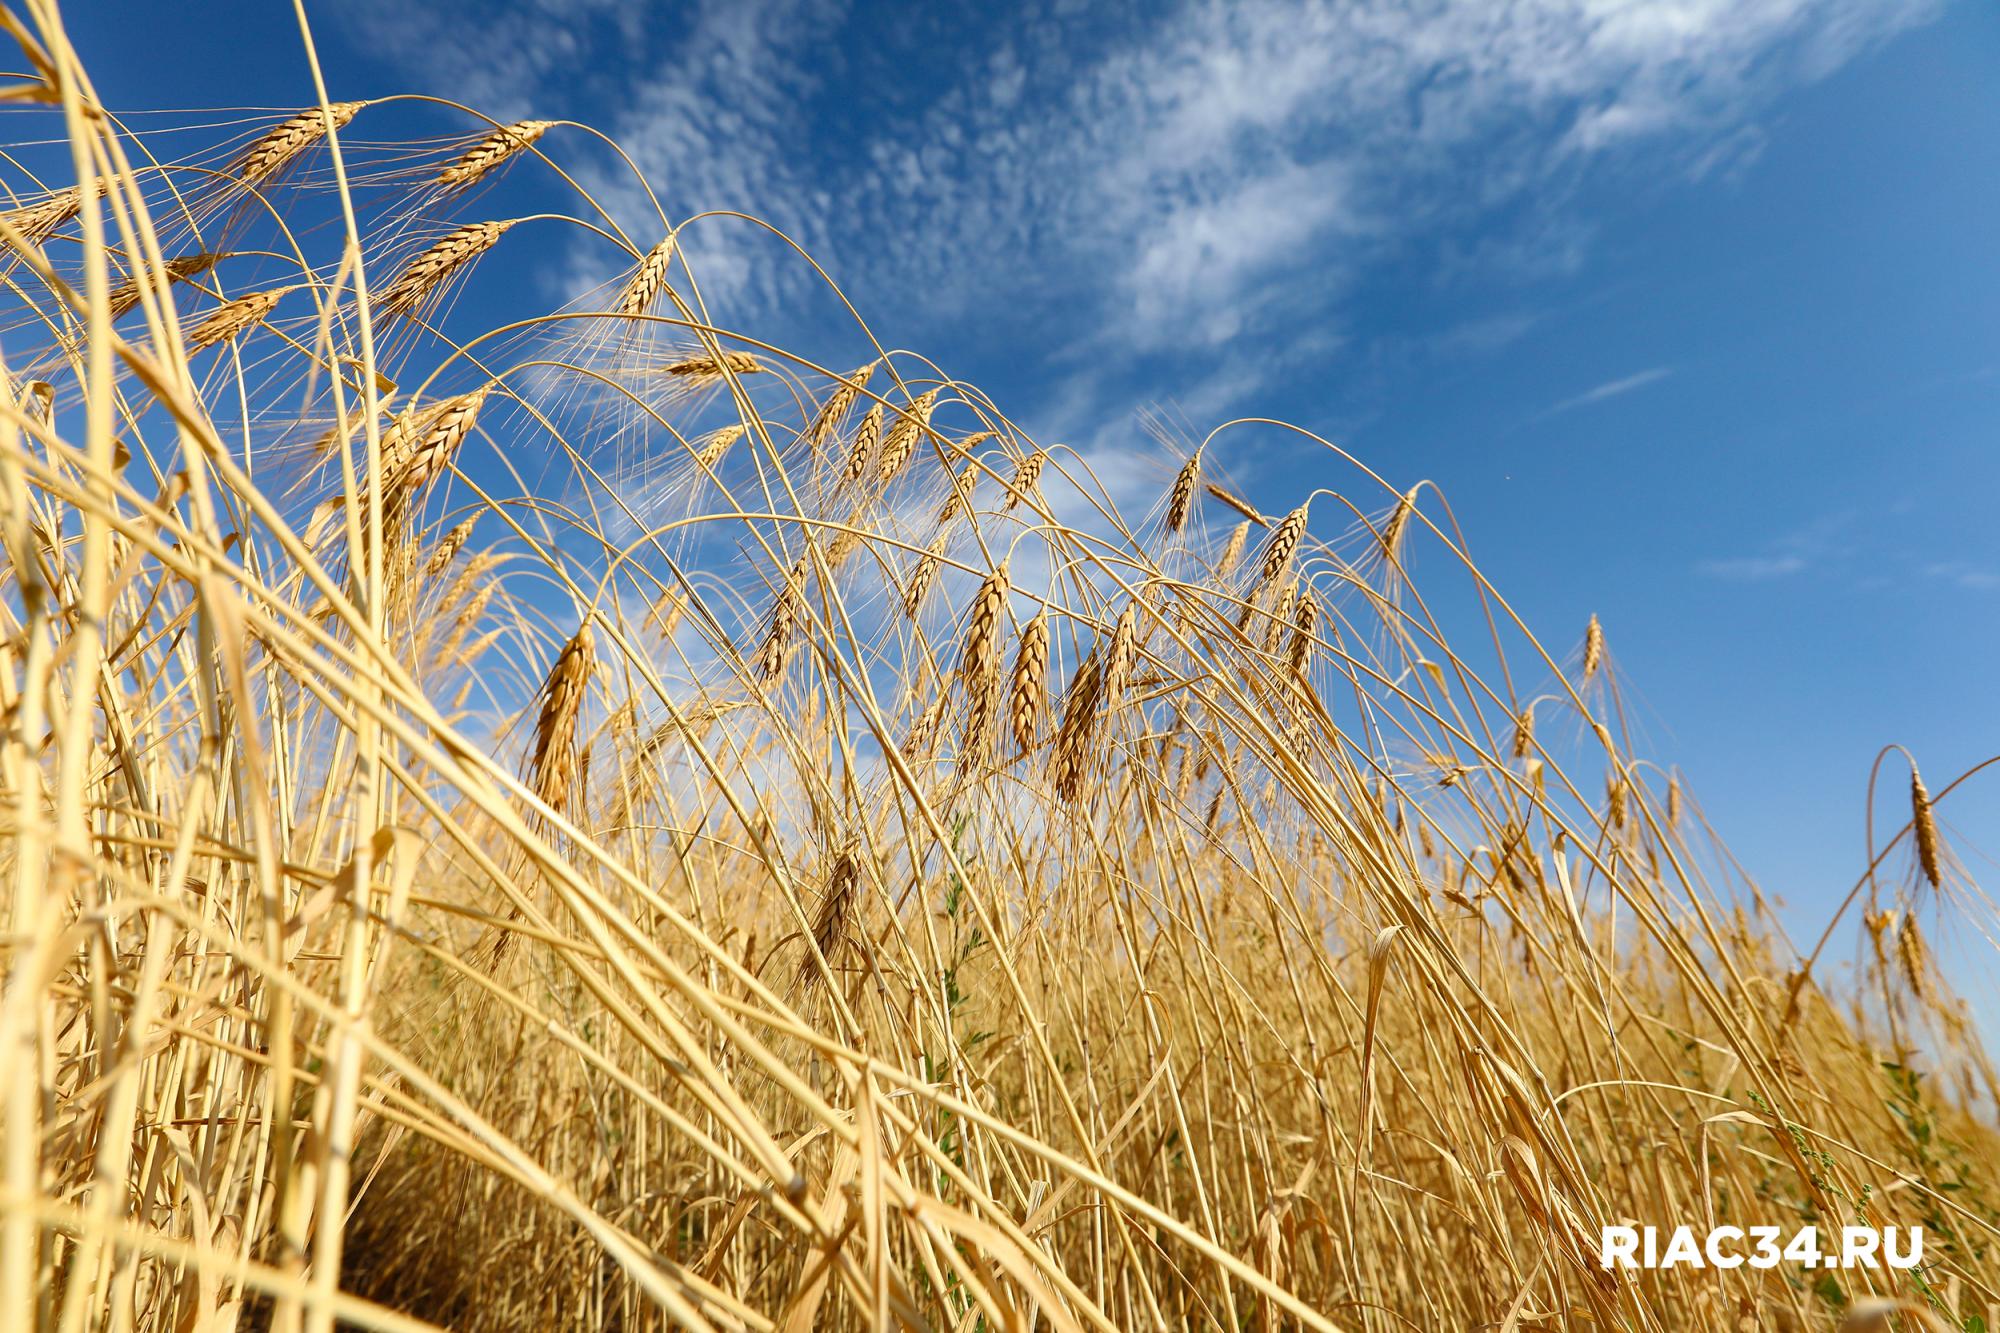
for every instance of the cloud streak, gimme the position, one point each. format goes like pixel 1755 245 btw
pixel 1753 569
pixel 1611 389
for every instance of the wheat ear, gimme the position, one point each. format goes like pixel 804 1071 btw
pixel 484 157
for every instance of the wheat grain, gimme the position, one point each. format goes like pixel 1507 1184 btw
pixel 1524 732
pixel 833 922
pixel 705 367
pixel 1232 550
pixel 648 281
pixel 553 766
pixel 862 449
pixel 1027 690
pixel 959 498
pixel 448 548
pixel 1593 648
pixel 1024 481
pixel 1399 521
pixel 281 145
pixel 923 575
pixel 717 445
pixel 480 160
pixel 425 276
pixel 901 440
pixel 775 649
pixel 1284 541
pixel 1069 761
pixel 1280 618
pixel 1924 820
pixel 979 655
pixel 1180 498
pixel 1914 956
pixel 35 223
pixel 126 295
pixel 1121 658
pixel 234 317
pixel 1305 623
pixel 420 451
pixel 666 611
pixel 838 404
pixel 1238 503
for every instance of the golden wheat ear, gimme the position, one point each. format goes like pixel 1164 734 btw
pixel 979 656
pixel 492 152
pixel 423 280
pixel 1924 820
pixel 648 280
pixel 1180 497
pixel 284 143
pixel 1027 689
pixel 553 766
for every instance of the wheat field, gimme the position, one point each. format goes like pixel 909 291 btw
pixel 600 821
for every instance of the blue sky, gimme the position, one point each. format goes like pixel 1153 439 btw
pixel 1691 307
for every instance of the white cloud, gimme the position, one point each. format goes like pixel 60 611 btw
pixel 1753 569
pixel 1142 180
pixel 1612 389
pixel 1963 574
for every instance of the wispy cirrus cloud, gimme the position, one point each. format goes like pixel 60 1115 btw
pixel 1134 182
pixel 1964 574
pixel 1753 568
pixel 1611 389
